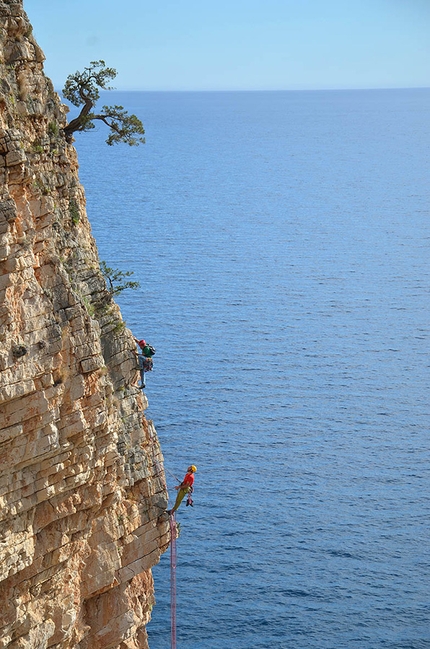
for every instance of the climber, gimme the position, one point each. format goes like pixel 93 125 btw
pixel 186 487
pixel 144 359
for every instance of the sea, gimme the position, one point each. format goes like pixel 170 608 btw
pixel 281 242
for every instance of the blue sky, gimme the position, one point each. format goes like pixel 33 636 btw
pixel 238 44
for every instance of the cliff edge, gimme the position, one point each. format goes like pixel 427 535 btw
pixel 82 486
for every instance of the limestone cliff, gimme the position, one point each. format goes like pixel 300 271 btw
pixel 82 488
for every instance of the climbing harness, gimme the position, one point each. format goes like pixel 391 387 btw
pixel 172 579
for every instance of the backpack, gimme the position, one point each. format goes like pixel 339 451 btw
pixel 148 351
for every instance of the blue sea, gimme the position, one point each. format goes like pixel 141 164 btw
pixel 281 241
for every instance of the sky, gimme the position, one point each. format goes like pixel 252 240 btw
pixel 238 44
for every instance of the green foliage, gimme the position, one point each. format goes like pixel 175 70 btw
pixel 85 85
pixel 37 147
pixel 83 89
pixel 116 279
pixel 53 129
pixel 124 127
pixel 119 327
pixel 88 306
pixel 74 211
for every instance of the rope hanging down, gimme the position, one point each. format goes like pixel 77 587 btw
pixel 173 579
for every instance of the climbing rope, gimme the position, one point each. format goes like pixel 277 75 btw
pixel 173 579
pixel 172 474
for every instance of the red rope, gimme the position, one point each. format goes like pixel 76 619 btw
pixel 173 579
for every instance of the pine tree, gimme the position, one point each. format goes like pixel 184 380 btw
pixel 83 89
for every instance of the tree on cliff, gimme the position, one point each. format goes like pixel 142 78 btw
pixel 117 279
pixel 82 89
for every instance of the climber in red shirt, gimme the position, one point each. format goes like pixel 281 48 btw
pixel 186 487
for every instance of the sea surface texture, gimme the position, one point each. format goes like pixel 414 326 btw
pixel 281 241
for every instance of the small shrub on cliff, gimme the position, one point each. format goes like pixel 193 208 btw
pixel 116 279
pixel 74 211
pixel 53 129
pixel 90 309
pixel 82 89
pixel 37 147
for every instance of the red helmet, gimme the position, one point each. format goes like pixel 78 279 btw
pixel 141 344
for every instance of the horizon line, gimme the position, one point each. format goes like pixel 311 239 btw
pixel 343 89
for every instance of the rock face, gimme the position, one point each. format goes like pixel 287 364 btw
pixel 82 487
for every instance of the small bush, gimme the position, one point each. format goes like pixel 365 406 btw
pixel 53 129
pixel 74 211
pixel 37 147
